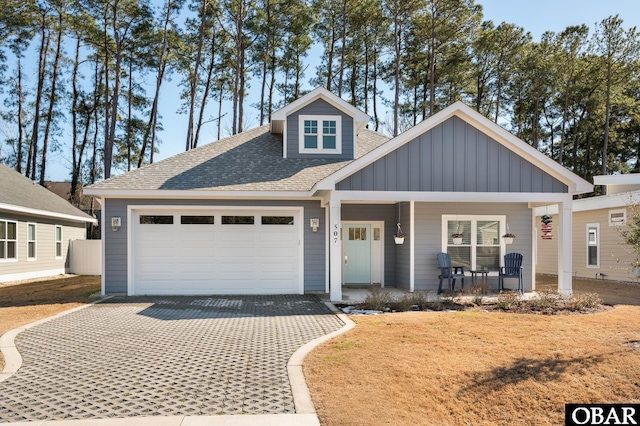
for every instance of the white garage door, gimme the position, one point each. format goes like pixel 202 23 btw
pixel 216 252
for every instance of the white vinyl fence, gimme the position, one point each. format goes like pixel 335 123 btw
pixel 85 257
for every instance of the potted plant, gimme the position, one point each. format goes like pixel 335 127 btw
pixel 457 238
pixel 398 237
pixel 508 237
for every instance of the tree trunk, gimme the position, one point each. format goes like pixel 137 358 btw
pixel 20 140
pixel 42 62
pixel 194 77
pixel 52 100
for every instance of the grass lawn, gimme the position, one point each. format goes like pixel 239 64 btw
pixel 23 303
pixel 478 368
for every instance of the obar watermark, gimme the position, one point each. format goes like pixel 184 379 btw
pixel 601 414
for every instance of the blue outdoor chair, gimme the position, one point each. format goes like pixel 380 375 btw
pixel 512 269
pixel 450 273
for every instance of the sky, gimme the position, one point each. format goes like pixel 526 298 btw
pixel 535 17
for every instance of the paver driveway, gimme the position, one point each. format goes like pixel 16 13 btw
pixel 164 356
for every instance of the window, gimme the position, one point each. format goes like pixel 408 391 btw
pixel 58 242
pixel 238 220
pixel 8 240
pixel 197 220
pixel 481 248
pixel 277 220
pixel 617 217
pixel 357 234
pixel 156 220
pixel 31 241
pixel 593 245
pixel 320 134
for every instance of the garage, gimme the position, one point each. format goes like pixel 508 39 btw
pixel 221 251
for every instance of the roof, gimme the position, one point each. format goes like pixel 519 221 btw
pixel 279 117
pixel 575 184
pixel 249 161
pixel 21 195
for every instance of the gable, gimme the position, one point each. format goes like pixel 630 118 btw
pixel 320 109
pixel 452 156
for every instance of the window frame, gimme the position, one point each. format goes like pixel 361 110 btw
pixel 56 242
pixel 320 134
pixel 34 241
pixel 619 222
pixel 474 219
pixel 596 227
pixel 5 241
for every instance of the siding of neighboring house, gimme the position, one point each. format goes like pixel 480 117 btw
pixel 428 234
pixel 45 263
pixel 378 212
pixel 454 157
pixel 616 257
pixel 320 107
pixel 116 242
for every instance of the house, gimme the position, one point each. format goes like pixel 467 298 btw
pixel 35 228
pixel 311 203
pixel 599 251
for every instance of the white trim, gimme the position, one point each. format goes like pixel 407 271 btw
pixel 34 241
pixel 319 119
pixel 6 239
pixel 591 226
pixel 621 222
pixel 483 124
pixel 622 179
pixel 501 219
pixel 467 197
pixel 44 213
pixel 327 96
pixel 372 224
pixel 103 238
pixel 32 274
pixel 132 209
pixel 412 246
pixel 55 241
pixel 326 248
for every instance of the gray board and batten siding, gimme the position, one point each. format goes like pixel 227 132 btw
pixel 320 107
pixel 116 242
pixel 453 156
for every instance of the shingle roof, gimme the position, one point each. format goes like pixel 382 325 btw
pixel 19 191
pixel 249 161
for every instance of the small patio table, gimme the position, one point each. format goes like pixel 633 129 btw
pixel 480 277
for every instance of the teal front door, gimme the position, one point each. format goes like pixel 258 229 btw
pixel 357 254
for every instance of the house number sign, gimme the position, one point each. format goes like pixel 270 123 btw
pixel 336 233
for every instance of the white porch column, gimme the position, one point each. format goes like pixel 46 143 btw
pixel 412 246
pixel 335 250
pixel 565 247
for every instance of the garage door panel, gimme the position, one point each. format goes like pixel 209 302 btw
pixel 216 258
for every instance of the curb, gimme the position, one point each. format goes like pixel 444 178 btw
pixel 12 358
pixel 301 395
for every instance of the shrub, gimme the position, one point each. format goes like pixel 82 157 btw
pixel 507 301
pixel 546 299
pixel 581 302
pixel 377 300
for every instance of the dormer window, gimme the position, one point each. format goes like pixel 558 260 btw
pixel 320 134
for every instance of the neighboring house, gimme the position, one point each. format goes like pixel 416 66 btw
pixel 35 228
pixel 311 202
pixel 599 251
pixel 87 204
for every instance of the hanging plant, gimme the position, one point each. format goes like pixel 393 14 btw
pixel 457 238
pixel 508 238
pixel 398 237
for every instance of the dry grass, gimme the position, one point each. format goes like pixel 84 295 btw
pixel 476 368
pixel 26 302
